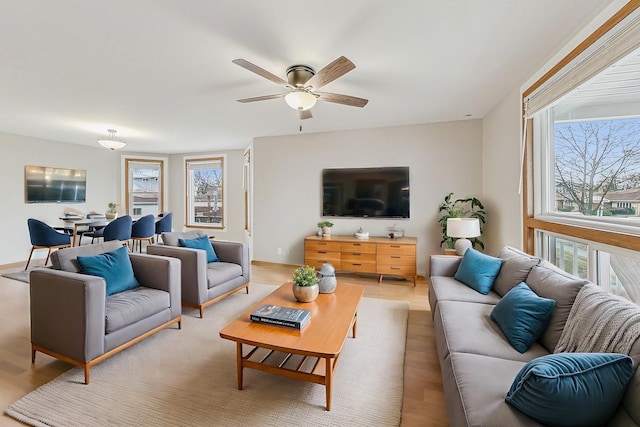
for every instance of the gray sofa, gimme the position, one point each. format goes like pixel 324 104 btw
pixel 204 283
pixel 477 361
pixel 74 320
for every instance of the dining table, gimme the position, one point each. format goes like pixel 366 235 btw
pixel 74 223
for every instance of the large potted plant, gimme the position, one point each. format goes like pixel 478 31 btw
pixel 305 284
pixel 469 207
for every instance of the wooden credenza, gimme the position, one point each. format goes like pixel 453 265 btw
pixel 377 255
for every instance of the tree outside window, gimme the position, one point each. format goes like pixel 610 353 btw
pixel 205 192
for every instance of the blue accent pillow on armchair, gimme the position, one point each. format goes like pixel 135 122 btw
pixel 203 243
pixel 523 316
pixel 115 267
pixel 571 389
pixel 478 270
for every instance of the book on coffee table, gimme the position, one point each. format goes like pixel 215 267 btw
pixel 295 318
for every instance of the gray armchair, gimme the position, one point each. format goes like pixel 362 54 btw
pixel 73 319
pixel 206 283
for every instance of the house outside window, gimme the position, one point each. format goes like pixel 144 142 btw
pixel 205 185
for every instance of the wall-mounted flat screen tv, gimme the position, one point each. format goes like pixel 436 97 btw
pixel 381 192
pixel 45 184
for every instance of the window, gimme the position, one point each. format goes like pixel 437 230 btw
pixel 205 191
pixel 144 186
pixel 581 172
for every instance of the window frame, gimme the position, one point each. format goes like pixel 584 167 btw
pixel 128 161
pixel 189 217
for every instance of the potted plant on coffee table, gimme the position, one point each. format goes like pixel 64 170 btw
pixel 305 284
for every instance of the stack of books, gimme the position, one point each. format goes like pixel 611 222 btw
pixel 295 318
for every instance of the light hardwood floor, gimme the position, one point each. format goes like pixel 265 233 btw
pixel 423 402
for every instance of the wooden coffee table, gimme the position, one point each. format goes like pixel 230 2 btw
pixel 308 355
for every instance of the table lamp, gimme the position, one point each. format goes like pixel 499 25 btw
pixel 462 229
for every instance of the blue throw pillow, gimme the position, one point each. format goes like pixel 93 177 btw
pixel 571 389
pixel 523 316
pixel 478 270
pixel 203 243
pixel 115 267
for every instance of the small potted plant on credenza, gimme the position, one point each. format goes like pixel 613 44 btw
pixel 326 227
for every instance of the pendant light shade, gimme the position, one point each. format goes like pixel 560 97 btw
pixel 111 142
pixel 300 100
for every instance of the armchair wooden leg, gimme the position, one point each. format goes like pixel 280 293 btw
pixel 33 355
pixel 87 370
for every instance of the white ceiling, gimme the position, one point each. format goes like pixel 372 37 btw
pixel 160 71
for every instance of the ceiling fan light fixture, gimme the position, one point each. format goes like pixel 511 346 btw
pixel 111 142
pixel 300 100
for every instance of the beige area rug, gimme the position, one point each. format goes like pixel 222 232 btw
pixel 188 378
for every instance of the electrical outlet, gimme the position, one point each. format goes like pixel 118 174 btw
pixel 279 251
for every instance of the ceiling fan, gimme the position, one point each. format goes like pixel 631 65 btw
pixel 303 83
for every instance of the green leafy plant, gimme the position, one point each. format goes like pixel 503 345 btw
pixel 323 224
pixel 469 207
pixel 112 208
pixel 305 276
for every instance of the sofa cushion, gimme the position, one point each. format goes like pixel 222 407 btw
pixel 171 238
pixel 443 288
pixel 202 243
pixel 475 386
pixel 466 327
pixel 523 316
pixel 125 308
pixel 571 389
pixel 549 282
pixel 478 270
pixel 222 272
pixel 67 259
pixel 114 267
pixel 516 266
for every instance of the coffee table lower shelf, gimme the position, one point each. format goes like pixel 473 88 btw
pixel 311 368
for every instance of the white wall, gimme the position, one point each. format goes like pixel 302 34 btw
pixel 233 196
pixel 442 157
pixel 501 175
pixel 17 152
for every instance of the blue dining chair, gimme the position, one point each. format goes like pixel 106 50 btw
pixel 118 229
pixel 44 236
pixel 164 224
pixel 143 229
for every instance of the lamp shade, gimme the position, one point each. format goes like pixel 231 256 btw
pixel 300 100
pixel 463 227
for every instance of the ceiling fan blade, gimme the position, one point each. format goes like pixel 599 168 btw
pixel 305 114
pixel 352 101
pixel 261 72
pixel 337 68
pixel 262 98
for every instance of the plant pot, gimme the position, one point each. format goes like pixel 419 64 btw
pixel 305 293
pixel 448 251
pixel 111 215
pixel 326 231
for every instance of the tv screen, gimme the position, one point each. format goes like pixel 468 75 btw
pixel 54 185
pixel 366 192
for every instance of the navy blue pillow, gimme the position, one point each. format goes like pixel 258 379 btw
pixel 478 270
pixel 523 316
pixel 203 243
pixel 115 267
pixel 571 389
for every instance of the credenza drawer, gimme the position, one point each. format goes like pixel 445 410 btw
pixel 390 259
pixel 322 255
pixel 317 263
pixel 358 267
pixel 319 245
pixel 357 257
pixel 396 249
pixel 369 248
pixel 397 270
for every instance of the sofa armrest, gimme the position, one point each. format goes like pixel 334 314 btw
pixel 158 272
pixel 68 313
pixel 444 265
pixel 193 269
pixel 235 252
